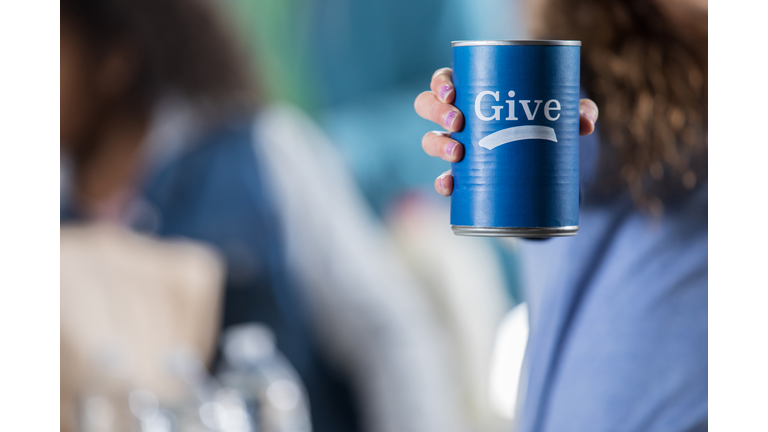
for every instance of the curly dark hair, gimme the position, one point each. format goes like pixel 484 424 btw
pixel 181 46
pixel 650 82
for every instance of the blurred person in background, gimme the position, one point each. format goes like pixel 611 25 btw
pixel 161 132
pixel 618 313
pixel 356 65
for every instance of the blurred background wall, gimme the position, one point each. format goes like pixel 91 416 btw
pixel 355 68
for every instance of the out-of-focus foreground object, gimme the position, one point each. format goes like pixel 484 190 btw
pixel 372 316
pixel 126 301
pixel 507 361
pixel 464 279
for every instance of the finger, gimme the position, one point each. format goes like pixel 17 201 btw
pixel 588 113
pixel 428 106
pixel 439 144
pixel 444 184
pixel 442 85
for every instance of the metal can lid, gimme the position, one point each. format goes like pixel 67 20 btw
pixel 516 42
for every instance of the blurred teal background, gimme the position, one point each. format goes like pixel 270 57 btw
pixel 356 67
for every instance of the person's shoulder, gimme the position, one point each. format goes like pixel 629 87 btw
pixel 219 163
pixel 221 151
pixel 229 140
pixel 670 249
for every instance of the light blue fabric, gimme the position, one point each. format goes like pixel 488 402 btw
pixel 618 316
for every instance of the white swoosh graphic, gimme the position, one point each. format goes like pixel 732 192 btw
pixel 517 133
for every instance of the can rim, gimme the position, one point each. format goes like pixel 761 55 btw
pixel 532 232
pixel 516 42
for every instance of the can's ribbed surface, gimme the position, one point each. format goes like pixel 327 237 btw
pixel 520 172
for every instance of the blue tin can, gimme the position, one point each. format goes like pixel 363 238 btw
pixel 520 173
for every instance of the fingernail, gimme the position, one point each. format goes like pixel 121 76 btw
pixel 450 148
pixel 440 181
pixel 449 118
pixel 589 117
pixel 444 91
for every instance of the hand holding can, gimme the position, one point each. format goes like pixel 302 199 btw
pixel 514 150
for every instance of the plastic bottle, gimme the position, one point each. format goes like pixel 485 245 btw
pixel 209 406
pixel 273 390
